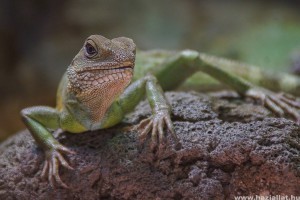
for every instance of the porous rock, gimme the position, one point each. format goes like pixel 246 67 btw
pixel 230 147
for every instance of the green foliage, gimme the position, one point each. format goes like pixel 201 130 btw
pixel 268 45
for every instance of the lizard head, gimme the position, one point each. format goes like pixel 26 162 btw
pixel 102 63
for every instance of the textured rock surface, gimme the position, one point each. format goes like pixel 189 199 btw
pixel 229 148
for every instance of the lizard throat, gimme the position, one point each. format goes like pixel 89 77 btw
pixel 98 89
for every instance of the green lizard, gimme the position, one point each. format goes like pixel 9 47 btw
pixel 95 93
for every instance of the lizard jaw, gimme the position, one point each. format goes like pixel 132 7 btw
pixel 95 77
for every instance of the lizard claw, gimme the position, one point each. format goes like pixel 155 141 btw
pixel 155 124
pixel 281 104
pixel 54 159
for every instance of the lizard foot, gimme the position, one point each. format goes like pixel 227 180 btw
pixel 53 160
pixel 155 124
pixel 281 104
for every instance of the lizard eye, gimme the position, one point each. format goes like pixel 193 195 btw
pixel 90 50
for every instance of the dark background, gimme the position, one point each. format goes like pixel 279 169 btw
pixel 39 38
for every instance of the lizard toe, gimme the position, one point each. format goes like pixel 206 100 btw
pixel 154 139
pixel 277 110
pixel 55 173
pixel 291 102
pixel 53 161
pixel 286 107
pixel 156 126
pixel 280 104
pixel 144 128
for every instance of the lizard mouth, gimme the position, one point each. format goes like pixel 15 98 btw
pixel 108 66
pixel 125 67
pixel 121 67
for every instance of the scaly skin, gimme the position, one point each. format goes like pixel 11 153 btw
pixel 276 81
pixel 95 93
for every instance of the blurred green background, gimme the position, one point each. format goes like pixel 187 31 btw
pixel 39 38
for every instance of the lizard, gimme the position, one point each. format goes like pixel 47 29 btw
pixel 99 88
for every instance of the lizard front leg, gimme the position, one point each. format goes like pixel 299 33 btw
pixel 161 114
pixel 161 110
pixel 37 119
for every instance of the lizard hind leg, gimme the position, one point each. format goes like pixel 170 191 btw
pixel 179 67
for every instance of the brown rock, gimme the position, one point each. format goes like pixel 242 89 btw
pixel 229 148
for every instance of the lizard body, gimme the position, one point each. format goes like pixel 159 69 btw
pixel 100 88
